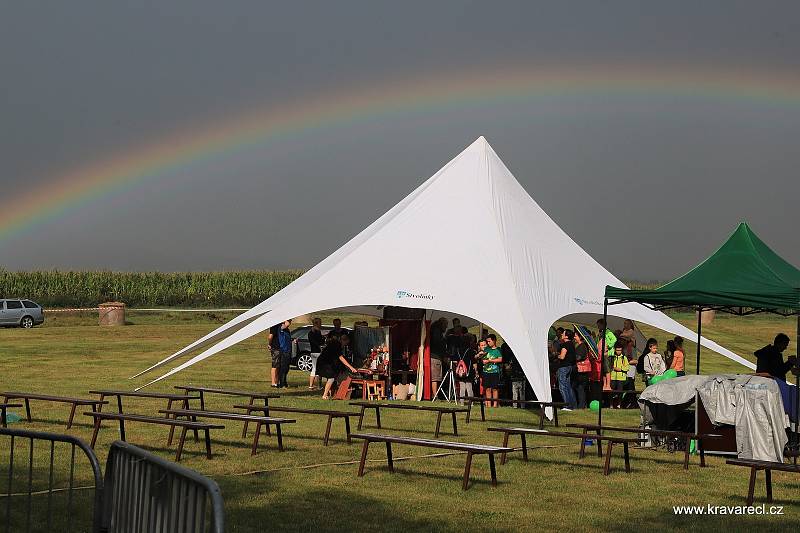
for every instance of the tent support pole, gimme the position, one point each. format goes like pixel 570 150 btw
pixel 602 355
pixel 699 335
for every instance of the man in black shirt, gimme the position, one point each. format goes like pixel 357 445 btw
pixel 770 358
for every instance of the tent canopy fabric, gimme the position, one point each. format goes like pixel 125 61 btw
pixel 527 275
pixel 742 277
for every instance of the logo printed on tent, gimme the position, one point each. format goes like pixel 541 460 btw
pixel 405 294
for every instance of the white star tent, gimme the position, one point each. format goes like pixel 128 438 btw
pixel 518 272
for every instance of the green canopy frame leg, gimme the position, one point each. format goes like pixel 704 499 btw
pixel 699 335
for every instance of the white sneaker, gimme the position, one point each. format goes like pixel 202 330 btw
pixel 566 409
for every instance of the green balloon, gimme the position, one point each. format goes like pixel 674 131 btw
pixel 656 379
pixel 671 373
pixel 594 406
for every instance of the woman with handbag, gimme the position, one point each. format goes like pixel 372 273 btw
pixel 584 366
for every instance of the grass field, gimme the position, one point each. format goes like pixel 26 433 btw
pixel 313 488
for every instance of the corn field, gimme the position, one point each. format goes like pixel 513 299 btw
pixel 54 288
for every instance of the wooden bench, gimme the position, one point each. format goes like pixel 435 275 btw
pixel 542 406
pixel 323 412
pixel 183 424
pixel 194 414
pixel 470 449
pixel 3 408
pixel 253 395
pixel 170 397
pixel 611 439
pixel 767 467
pixel 438 409
pixel 27 396
pixel 686 436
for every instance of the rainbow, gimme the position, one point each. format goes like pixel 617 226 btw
pixel 82 186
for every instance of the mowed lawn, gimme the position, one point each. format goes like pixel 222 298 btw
pixel 314 488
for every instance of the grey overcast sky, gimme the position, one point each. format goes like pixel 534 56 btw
pixel 647 181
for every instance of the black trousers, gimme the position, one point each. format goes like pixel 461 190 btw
pixel 283 374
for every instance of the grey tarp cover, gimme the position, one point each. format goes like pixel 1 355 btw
pixel 751 403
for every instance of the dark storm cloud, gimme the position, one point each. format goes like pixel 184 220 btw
pixel 646 186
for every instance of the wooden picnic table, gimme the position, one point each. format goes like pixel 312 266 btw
pixel 27 396
pixel 194 414
pixel 686 436
pixel 470 449
pixel 611 439
pixel 542 406
pixel 438 409
pixel 183 424
pixel 253 395
pixel 183 399
pixel 3 407
pixel 323 412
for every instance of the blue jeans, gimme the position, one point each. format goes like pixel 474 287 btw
pixel 564 375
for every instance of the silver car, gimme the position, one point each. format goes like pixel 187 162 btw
pixel 22 313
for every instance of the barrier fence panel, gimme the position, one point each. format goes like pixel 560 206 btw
pixel 144 492
pixel 44 483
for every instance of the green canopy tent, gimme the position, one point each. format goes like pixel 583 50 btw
pixel 743 277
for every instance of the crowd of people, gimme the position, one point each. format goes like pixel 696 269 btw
pixel 482 366
pixel 580 374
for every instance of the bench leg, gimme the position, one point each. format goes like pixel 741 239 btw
pixel 181 442
pixel 202 401
pixel 492 469
pixel 378 416
pixel 469 410
pixel 122 429
pixel 686 453
pixel 266 413
pixel 363 458
pixel 119 404
pixel 438 424
pixel 455 425
pixel 194 419
pixel 752 487
pixel 244 429
pixel 172 428
pixel 541 417
pixel 607 468
pixel 702 453
pixel 328 430
pixel 582 453
pixel 96 430
pixel 555 417
pixel 768 481
pixel 71 415
pixel 361 417
pixel 100 405
pixel 3 414
pixel 389 456
pixel 255 438
pixel 28 409
pixel 279 435
pixel 347 429
pixel 627 458
pixel 599 445
pixel 524 448
pixel 465 483
pixel 208 443
pixel 505 445
pixel 483 413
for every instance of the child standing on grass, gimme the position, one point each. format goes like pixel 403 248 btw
pixel 619 372
pixel 653 362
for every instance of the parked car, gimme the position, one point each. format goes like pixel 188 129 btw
pixel 301 350
pixel 22 313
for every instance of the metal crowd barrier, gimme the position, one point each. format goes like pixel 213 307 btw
pixel 141 491
pixel 23 509
pixel 144 492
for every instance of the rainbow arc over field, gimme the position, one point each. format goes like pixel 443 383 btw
pixel 79 187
